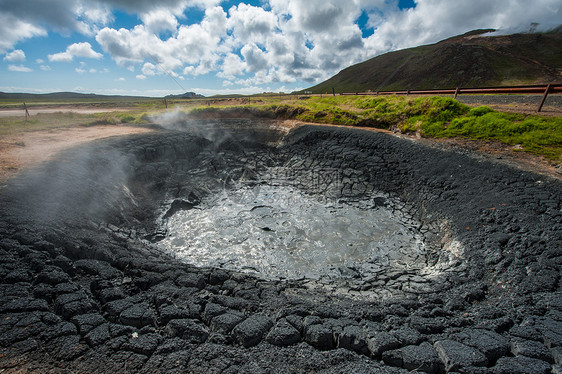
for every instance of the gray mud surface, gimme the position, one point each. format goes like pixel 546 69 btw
pixel 88 286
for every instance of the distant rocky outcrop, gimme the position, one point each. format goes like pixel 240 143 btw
pixel 187 95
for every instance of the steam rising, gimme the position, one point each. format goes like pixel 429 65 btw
pixel 177 120
pixel 82 183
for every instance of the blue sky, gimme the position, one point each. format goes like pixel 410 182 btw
pixel 155 48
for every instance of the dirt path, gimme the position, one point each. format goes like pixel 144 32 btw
pixel 28 149
pixel 62 109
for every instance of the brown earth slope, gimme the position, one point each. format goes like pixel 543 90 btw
pixel 474 59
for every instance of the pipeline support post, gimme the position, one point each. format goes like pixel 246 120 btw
pixel 26 112
pixel 457 90
pixel 544 97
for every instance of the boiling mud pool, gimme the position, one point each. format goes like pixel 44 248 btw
pixel 279 232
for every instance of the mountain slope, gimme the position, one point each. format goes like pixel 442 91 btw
pixel 469 60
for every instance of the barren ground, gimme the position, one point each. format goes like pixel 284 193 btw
pixel 31 148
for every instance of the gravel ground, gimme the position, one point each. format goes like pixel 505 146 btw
pixel 85 287
pixel 527 104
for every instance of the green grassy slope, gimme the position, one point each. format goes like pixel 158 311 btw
pixel 470 60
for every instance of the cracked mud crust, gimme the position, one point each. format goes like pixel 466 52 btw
pixel 84 286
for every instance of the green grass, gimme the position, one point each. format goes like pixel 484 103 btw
pixel 432 117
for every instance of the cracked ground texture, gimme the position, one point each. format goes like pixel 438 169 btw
pixel 84 286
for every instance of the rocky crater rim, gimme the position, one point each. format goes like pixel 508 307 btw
pixel 85 285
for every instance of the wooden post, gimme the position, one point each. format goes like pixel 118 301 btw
pixel 26 112
pixel 456 93
pixel 166 103
pixel 333 92
pixel 544 97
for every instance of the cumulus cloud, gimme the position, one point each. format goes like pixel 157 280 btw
pixel 149 69
pixel 159 20
pixel 83 49
pixel 21 20
pixel 14 30
pixel 16 55
pixel 251 24
pixel 280 41
pixel 19 68
pixel 197 44
pixel 434 20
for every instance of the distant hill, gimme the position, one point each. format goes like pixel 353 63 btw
pixel 470 60
pixel 187 95
pixel 61 96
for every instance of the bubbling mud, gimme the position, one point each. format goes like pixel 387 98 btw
pixel 279 232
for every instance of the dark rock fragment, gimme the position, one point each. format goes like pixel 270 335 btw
pixel 456 355
pixel 98 335
pixel 188 330
pixel 428 325
pixel 521 365
pixel 251 331
pixel 191 280
pixel 139 315
pixel 143 344
pixel 212 310
pixel 170 312
pixel 96 267
pixel 352 338
pixel 319 336
pixel 224 323
pixel 491 344
pixel 24 304
pixel 66 348
pixel 71 304
pixel 415 357
pixel 532 349
pixel 52 275
pixel 408 336
pixel 283 334
pixel 382 342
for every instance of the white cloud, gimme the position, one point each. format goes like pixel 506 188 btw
pixel 197 44
pixel 45 67
pixel 16 55
pixel 121 79
pixel 83 49
pixel 141 77
pixel 19 68
pixel 159 20
pixel 232 66
pixel 281 41
pixel 251 24
pixel 149 69
pixel 39 61
pixel 60 57
pixel 434 20
pixel 80 71
pixel 13 30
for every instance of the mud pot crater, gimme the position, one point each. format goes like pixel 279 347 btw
pixel 236 245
